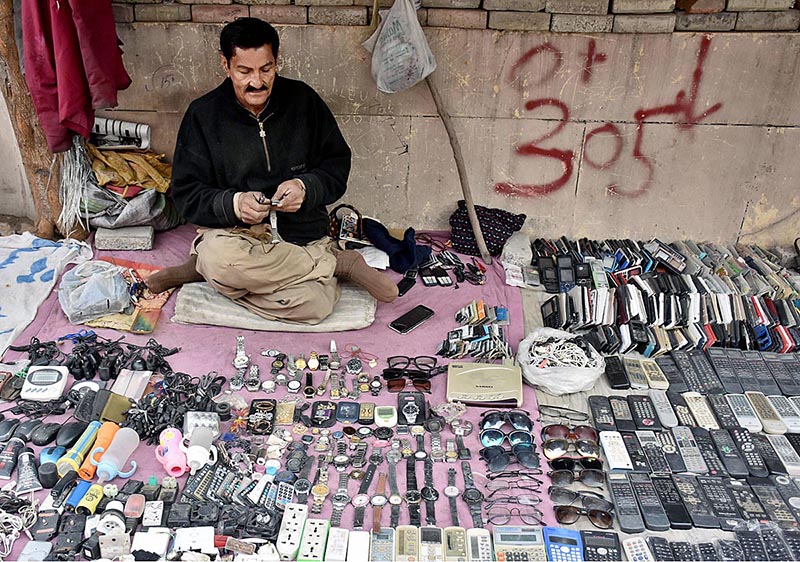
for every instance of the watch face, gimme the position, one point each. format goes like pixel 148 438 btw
pixel 420 455
pixel 302 486
pixel 320 490
pixel 379 501
pixel 437 455
pixel 383 433
pixel 361 500
pixel 417 429
pixel 413 496
pixel 364 431
pixel 451 492
pixel 434 425
pixel 429 493
pixel 473 496
pixel 396 499
pixel 294 465
pixel 341 460
pixel 293 385
pixel 340 499
pixel 394 456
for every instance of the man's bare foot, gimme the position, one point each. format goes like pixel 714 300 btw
pixel 351 265
pixel 175 276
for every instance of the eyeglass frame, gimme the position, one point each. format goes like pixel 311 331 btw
pixel 515 512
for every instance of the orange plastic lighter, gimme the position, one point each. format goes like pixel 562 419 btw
pixel 104 437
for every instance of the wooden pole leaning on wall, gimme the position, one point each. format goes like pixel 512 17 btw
pixel 461 169
pixel 41 169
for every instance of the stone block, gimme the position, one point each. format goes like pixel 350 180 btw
pixel 205 1
pixel 324 2
pixel 218 14
pixel 519 21
pixel 123 13
pixel 642 6
pixel 701 6
pixel 422 15
pixel 281 14
pixel 127 238
pixel 458 4
pixel 599 7
pixel 263 2
pixel 759 5
pixel 163 12
pixel 656 23
pixel 788 20
pixel 337 15
pixel 370 3
pixel 465 19
pixel 514 5
pixel 724 21
pixel 573 23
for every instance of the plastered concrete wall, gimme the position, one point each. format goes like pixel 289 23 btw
pixel 676 135
pixel 15 197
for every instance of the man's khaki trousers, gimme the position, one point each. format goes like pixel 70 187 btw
pixel 280 281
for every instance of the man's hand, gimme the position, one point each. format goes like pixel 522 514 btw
pixel 250 210
pixel 290 195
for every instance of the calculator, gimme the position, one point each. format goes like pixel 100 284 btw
pixel 523 543
pixel 601 546
pixel 563 545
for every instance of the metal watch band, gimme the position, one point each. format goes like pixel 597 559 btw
pixel 430 505
pixel 338 510
pixel 336 515
pixel 395 491
pixel 467 471
pixel 451 481
pixel 344 478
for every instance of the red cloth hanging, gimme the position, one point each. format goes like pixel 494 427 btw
pixel 73 64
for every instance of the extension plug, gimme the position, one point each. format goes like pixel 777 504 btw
pixel 294 519
pixel 312 546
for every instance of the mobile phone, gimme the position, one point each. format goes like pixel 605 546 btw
pixel 411 319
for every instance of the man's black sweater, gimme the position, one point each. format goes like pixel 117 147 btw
pixel 220 151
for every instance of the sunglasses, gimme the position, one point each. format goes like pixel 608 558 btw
pixel 569 514
pixel 398 385
pixel 495 437
pixel 425 363
pixel 561 431
pixel 557 448
pixel 588 471
pixel 501 515
pixel 495 419
pixel 497 458
pixel 589 500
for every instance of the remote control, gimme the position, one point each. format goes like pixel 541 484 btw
pixel 635 453
pixel 636 550
pixel 562 545
pixel 744 412
pixel 635 374
pixel 776 508
pixel 739 365
pixel 615 451
pixel 696 503
pixel 659 546
pixel 652 450
pixel 382 546
pixel 692 457
pixel 601 413
pixel 670 449
pixel 781 370
pixel 749 450
pixel 655 518
pixel 789 492
pixel 787 454
pixel 721 501
pixel 768 453
pixel 792 539
pixel 655 377
pixel 601 546
pixel 774 545
pixel 615 373
pixel 707 552
pixel 759 370
pixel 480 545
pixel 671 501
pixel 406 543
pixel 752 547
pixel 684 552
pixel 431 546
pixel 702 438
pixel 666 415
pixel 625 506
pixel 769 418
pixel 722 411
pixel 730 551
pixel 698 372
pixel 701 412
pixel 455 544
pixel 622 413
pixel 672 373
pixel 682 411
pixel 795 400
pixel 729 453
pixel 722 366
pixel 644 413
pixel 787 412
pixel 746 500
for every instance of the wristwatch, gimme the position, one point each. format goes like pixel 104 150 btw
pixel 378 501
pixel 237 380
pixel 395 499
pixel 313 361
pixel 452 492
pixel 341 460
pixel 294 384
pixel 451 454
pixel 473 497
pixel 434 426
pixel 302 485
pixel 335 392
pixel 340 500
pixel 335 361
pixel 241 359
pixel 253 382
pixel 320 490
pixel 419 434
pixel 413 497
pixel 410 411
pixel 323 386
pixel 300 363
pixel 361 500
pixel 375 386
pixel 309 391
pixel 360 456
pixel 429 494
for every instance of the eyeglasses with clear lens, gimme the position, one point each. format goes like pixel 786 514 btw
pixel 504 484
pixel 589 500
pixel 495 419
pixel 569 514
pixel 526 499
pixel 424 363
pixel 501 515
pixel 559 412
pixel 494 437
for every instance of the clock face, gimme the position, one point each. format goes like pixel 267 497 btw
pixel 396 499
pixel 451 492
pixel 413 496
pixel 361 500
pixel 379 501
pixel 394 456
pixel 302 486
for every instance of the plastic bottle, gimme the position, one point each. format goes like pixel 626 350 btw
pixel 122 447
pixel 73 458
pixel 169 452
pixel 200 451
pixel 105 435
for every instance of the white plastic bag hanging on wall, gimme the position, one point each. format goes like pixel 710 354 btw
pixel 401 56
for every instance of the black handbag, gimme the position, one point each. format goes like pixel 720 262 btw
pixel 497 226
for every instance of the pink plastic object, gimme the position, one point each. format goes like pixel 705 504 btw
pixel 169 452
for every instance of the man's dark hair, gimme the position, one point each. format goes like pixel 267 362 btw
pixel 247 33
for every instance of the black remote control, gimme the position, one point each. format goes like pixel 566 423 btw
pixel 721 501
pixel 682 411
pixel 659 547
pixel 670 369
pixel 771 459
pixel 615 373
pixel 696 503
pixel 773 503
pixel 707 552
pixel 730 550
pixel 602 414
pixel 792 539
pixel 655 518
pixel 740 367
pixel 670 449
pixel 698 372
pixel 729 453
pixel 635 452
pixel 622 413
pixel 758 369
pixel 781 371
pixel 752 547
pixel 684 552
pixel 652 450
pixel 722 410
pixel 601 546
pixel 789 492
pixel 774 545
pixel 702 438
pixel 722 366
pixel 794 441
pixel 747 447
pixel 746 500
pixel 644 413
pixel 625 505
pixel 671 502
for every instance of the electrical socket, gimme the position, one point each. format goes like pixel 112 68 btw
pixel 312 547
pixel 294 519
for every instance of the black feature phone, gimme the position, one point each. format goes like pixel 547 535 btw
pixel 411 319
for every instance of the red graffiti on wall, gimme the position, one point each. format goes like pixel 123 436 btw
pixel 684 109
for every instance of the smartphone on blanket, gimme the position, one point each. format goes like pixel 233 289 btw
pixel 411 319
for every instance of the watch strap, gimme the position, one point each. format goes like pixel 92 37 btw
pixel 394 520
pixel 344 478
pixel 306 469
pixel 429 472
pixel 393 488
pixel 358 518
pixel 451 481
pixel 336 516
pixel 411 473
pixel 368 475
pixel 467 471
pixel 377 510
pixel 414 515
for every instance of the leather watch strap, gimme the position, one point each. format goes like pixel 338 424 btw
pixel 377 510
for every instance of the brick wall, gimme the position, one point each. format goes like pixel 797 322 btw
pixel 568 16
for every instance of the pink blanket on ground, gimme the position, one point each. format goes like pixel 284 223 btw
pixel 207 348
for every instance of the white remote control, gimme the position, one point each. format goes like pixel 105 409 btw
pixel 292 524
pixel 455 544
pixel 382 548
pixel 636 550
pixel 787 453
pixel 666 415
pixel 701 411
pixel 406 543
pixel 788 413
pixel 692 457
pixel 615 451
pixel 767 415
pixel 336 549
pixel 312 545
pixel 357 546
pixel 655 376
pixel 744 412
pixel 479 544
pixel 430 544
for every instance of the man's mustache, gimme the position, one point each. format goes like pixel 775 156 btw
pixel 251 89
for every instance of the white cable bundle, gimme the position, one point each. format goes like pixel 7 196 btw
pixel 76 173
